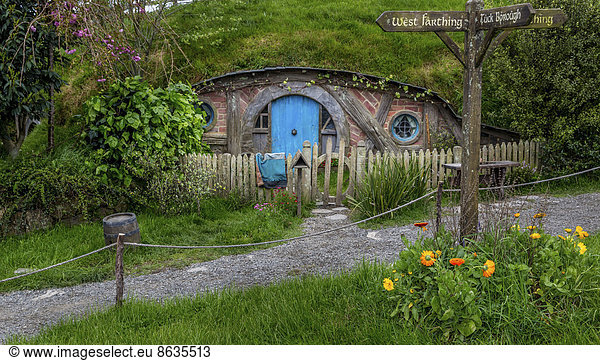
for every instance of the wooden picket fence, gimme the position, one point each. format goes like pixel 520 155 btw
pixel 238 172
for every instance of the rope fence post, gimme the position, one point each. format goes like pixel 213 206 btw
pixel 438 218
pixel 119 270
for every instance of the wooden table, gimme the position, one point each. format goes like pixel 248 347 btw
pixel 494 174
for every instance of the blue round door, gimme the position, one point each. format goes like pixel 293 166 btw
pixel 294 119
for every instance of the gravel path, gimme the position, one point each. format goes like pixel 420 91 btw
pixel 27 312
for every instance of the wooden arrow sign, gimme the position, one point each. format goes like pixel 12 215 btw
pixel 546 18
pixel 423 21
pixel 505 17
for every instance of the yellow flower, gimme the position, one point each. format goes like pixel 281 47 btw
pixel 568 230
pixel 582 247
pixel 561 237
pixel 395 280
pixel 517 215
pixel 410 273
pixel 540 215
pixel 531 228
pixel 394 271
pixel 439 253
pixel 411 291
pixel 410 305
pixel 489 267
pixel 427 258
pixel 388 284
pixel 402 274
pixel 578 229
pixel 535 236
pixel 516 226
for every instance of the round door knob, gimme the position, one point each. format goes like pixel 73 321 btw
pixel 294 132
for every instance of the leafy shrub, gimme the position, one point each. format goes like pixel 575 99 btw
pixel 523 173
pixel 57 188
pixel 546 85
pixel 131 119
pixel 173 191
pixel 390 184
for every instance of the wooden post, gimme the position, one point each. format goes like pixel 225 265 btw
pixel 299 193
pixel 119 270
pixel 471 124
pixel 438 218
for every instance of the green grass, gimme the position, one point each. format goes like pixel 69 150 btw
pixel 216 225
pixel 346 308
pixel 221 36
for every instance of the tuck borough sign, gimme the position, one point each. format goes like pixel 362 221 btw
pixel 484 30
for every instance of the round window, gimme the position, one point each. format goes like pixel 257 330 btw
pixel 208 110
pixel 405 128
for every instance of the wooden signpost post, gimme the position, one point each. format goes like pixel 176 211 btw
pixel 484 30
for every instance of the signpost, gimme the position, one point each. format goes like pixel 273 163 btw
pixel 481 27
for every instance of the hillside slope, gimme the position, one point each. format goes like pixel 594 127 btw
pixel 221 36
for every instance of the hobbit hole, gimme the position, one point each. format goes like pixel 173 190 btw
pixel 277 109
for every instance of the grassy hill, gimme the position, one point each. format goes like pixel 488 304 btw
pixel 221 36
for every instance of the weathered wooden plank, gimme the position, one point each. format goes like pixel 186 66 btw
pixel 442 170
pixel 306 176
pixel 340 173
pixel 246 176
pixel 352 169
pixel 238 174
pixel 234 122
pixel 252 175
pixel 484 153
pixel 314 171
pixel 423 21
pixel 428 166
pixel 435 167
pixel 546 18
pixel 360 161
pixel 526 152
pixel 370 161
pixel 505 17
pixel 384 108
pixel 374 131
pixel 521 152
pixel 327 172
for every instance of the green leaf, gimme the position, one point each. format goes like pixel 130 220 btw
pixel 467 327
pixel 448 314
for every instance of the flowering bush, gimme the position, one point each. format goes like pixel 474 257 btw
pixel 441 285
pixel 283 202
pixel 452 286
pixel 523 173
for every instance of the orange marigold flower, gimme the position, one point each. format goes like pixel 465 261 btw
pixel 561 237
pixel 517 215
pixel 568 230
pixel 427 258
pixel 421 224
pixel 535 236
pixel 539 215
pixel 475 254
pixel 438 252
pixel 489 267
pixel 457 261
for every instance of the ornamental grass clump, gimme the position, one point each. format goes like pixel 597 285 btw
pixel 389 184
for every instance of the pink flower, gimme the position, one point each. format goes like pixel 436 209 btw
pixel 136 58
pixel 70 51
pixel 33 29
pixel 120 30
pixel 101 80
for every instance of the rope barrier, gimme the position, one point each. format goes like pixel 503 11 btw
pixel 59 264
pixel 293 238
pixel 529 183
pixel 288 239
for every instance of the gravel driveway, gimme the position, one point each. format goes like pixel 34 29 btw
pixel 27 312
